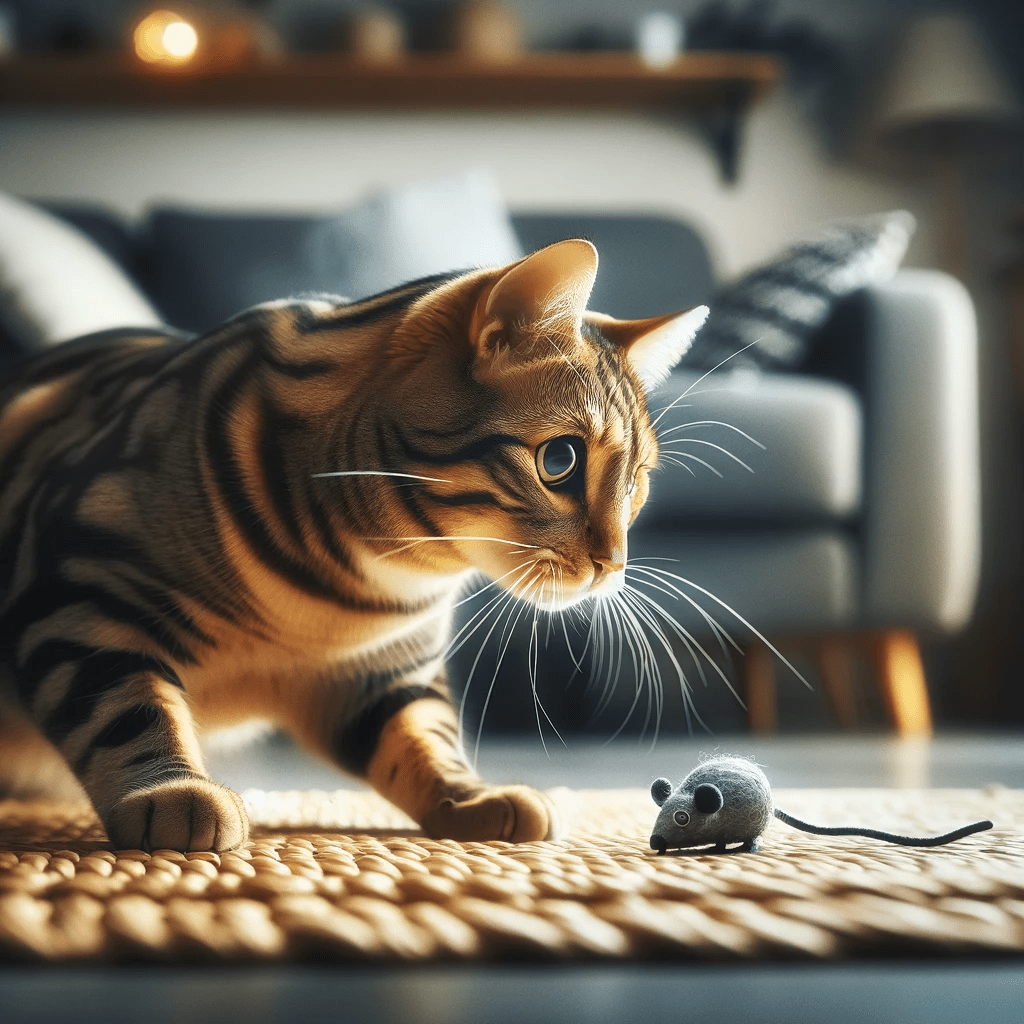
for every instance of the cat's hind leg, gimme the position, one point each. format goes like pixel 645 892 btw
pixel 30 766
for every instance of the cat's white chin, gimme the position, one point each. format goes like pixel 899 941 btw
pixel 608 585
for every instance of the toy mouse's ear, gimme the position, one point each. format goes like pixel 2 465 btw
pixel 660 790
pixel 708 798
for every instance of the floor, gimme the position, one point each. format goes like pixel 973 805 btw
pixel 907 992
pixel 951 760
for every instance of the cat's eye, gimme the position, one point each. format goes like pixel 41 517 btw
pixel 558 459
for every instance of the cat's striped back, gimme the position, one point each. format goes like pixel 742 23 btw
pixel 274 521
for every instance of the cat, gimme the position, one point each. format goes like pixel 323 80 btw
pixel 275 520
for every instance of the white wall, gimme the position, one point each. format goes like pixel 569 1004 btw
pixel 787 185
pixel 543 161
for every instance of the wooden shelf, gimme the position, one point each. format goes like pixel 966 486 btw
pixel 719 86
pixel 696 81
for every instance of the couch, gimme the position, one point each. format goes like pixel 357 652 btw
pixel 837 505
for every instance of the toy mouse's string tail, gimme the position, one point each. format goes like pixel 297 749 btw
pixel 889 837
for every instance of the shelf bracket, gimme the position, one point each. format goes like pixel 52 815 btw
pixel 722 129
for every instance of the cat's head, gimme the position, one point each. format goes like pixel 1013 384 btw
pixel 530 415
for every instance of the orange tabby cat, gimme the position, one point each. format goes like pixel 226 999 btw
pixel 274 521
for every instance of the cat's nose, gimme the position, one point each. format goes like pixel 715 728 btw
pixel 614 561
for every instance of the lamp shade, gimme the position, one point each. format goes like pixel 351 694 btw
pixel 942 79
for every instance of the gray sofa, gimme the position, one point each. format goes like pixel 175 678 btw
pixel 838 504
pixel 856 527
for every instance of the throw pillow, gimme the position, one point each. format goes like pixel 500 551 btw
pixel 768 317
pixel 56 284
pixel 423 229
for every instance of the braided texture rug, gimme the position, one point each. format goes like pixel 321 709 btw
pixel 337 877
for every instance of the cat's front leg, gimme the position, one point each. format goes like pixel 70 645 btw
pixel 122 722
pixel 406 744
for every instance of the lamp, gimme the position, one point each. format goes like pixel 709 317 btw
pixel 201 39
pixel 165 38
pixel 943 99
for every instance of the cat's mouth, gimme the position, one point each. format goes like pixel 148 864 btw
pixel 558 591
pixel 544 577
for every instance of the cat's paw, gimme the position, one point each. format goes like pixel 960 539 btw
pixel 516 814
pixel 186 814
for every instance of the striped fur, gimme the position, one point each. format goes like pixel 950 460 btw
pixel 176 555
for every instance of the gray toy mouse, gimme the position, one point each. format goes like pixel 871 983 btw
pixel 728 800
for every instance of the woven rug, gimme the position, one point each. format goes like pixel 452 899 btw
pixel 341 877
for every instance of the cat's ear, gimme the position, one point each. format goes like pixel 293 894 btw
pixel 653 346
pixel 548 289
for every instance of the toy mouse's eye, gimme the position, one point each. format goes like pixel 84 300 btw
pixel 558 459
pixel 681 818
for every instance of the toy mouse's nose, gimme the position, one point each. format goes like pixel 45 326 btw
pixel 659 844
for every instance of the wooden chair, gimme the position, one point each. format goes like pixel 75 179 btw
pixel 894 657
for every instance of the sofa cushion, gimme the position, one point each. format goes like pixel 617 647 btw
pixel 648 264
pixel 778 580
pixel 57 284
pixel 203 266
pixel 747 447
pixel 107 228
pixel 770 315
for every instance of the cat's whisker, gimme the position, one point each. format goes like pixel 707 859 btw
pixel 691 643
pixel 487 586
pixel 380 472
pixel 711 423
pixel 473 594
pixel 508 602
pixel 503 646
pixel 615 629
pixel 563 620
pixel 613 645
pixel 454 645
pixel 689 707
pixel 645 665
pixel 709 444
pixel 533 659
pixel 413 541
pixel 721 634
pixel 689 390
pixel 550 619
pixel 739 618
pixel 640 616
pixel 676 460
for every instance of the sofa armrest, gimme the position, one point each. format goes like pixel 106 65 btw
pixel 922 525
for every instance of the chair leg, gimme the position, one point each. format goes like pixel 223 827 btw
pixel 902 682
pixel 759 672
pixel 838 672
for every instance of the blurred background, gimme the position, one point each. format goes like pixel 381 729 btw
pixel 825 142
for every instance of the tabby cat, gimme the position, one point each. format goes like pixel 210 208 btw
pixel 274 521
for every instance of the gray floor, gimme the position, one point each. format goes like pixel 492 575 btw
pixel 990 992
pixel 948 993
pixel 953 760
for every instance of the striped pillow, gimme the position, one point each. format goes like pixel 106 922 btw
pixel 768 317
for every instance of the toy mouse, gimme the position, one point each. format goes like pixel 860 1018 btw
pixel 728 800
